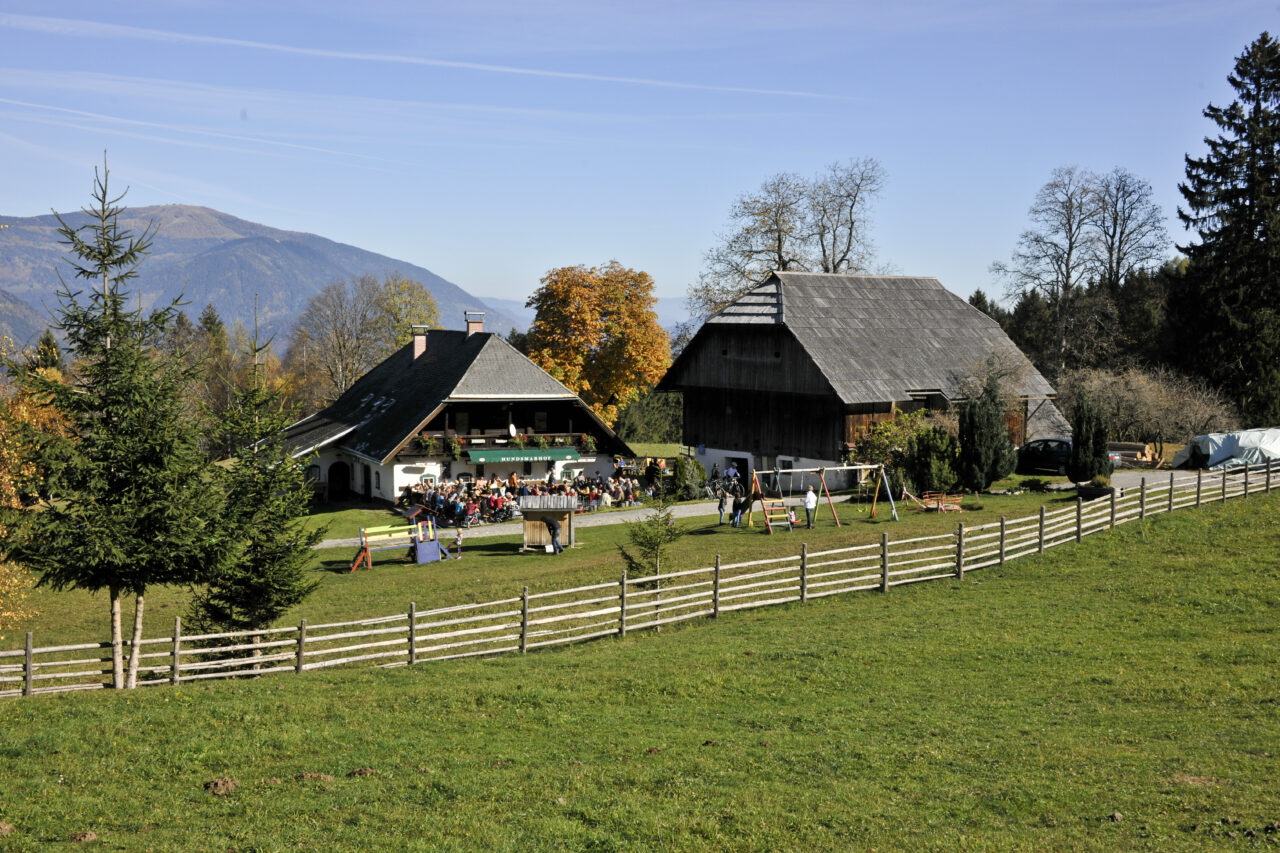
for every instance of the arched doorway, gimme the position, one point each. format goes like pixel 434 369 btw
pixel 339 481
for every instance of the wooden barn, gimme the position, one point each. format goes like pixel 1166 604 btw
pixel 798 367
pixel 446 405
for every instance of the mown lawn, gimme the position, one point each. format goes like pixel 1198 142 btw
pixel 1120 694
pixel 495 567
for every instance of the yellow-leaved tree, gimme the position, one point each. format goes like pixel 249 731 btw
pixel 22 414
pixel 597 332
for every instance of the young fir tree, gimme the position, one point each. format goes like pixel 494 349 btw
pixel 1232 296
pixel 267 495
pixel 131 498
pixel 1089 456
pixel 650 538
pixel 47 354
pixel 986 451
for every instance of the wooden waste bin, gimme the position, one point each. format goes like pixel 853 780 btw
pixel 536 508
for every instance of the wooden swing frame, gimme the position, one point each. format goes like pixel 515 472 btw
pixel 757 489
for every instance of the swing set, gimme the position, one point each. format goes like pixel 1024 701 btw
pixel 775 511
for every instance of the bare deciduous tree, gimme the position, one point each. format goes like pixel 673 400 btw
pixel 1129 227
pixel 1055 256
pixel 351 326
pixel 839 207
pixel 792 223
pixel 1150 406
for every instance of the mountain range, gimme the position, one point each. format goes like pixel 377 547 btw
pixel 671 311
pixel 206 257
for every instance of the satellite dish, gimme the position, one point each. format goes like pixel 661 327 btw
pixel 511 428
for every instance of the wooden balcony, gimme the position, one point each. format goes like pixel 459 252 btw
pixel 441 445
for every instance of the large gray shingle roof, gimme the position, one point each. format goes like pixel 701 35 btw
pixel 878 338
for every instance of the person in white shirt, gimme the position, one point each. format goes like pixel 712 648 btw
pixel 810 504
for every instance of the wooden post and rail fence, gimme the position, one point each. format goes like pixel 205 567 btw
pixel 534 620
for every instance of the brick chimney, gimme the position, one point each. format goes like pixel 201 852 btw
pixel 475 321
pixel 419 340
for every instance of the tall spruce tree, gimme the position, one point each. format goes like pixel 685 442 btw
pixel 131 503
pixel 1089 437
pixel 267 494
pixel 986 451
pixel 1232 197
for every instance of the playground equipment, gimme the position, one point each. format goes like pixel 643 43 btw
pixel 419 537
pixel 775 509
pixel 934 501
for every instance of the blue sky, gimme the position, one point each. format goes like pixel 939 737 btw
pixel 492 141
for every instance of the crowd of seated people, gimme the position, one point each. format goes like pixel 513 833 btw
pixel 466 501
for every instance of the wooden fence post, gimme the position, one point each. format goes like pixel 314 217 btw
pixel 1268 476
pixel 1199 483
pixel 1224 484
pixel 1112 524
pixel 1040 550
pixel 1246 481
pixel 524 620
pixel 1170 491
pixel 413 632
pixel 302 644
pixel 1079 519
pixel 1142 498
pixel 622 605
pixel 28 668
pixel 177 650
pixel 884 562
pixel 1002 537
pixel 804 572
pixel 960 551
pixel 715 591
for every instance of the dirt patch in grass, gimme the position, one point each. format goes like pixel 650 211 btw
pixel 314 777
pixel 221 786
pixel 1197 781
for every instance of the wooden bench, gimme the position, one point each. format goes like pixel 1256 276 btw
pixel 941 502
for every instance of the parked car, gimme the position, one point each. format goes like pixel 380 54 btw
pixel 1044 455
pixel 1050 455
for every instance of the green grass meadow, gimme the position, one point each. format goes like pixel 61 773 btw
pixel 494 567
pixel 1120 694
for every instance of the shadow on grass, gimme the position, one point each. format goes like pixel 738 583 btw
pixel 400 557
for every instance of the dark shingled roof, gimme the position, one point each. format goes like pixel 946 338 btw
pixel 392 401
pixel 878 338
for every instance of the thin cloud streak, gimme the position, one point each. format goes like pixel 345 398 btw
pixel 70 27
pixel 194 131
pixel 320 109
pixel 186 92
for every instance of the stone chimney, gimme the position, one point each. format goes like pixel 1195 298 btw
pixel 475 321
pixel 419 340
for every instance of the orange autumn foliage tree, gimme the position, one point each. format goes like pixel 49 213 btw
pixel 19 476
pixel 597 332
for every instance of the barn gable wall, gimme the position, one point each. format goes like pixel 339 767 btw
pixel 748 358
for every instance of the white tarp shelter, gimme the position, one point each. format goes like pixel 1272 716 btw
pixel 1229 449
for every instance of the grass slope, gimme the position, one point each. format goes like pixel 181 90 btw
pixel 494 568
pixel 1134 674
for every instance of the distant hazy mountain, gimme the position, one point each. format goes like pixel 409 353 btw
pixel 19 321
pixel 213 258
pixel 671 310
